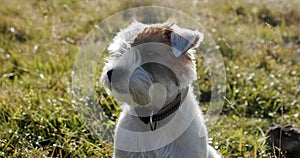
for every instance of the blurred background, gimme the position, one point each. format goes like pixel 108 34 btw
pixel 39 39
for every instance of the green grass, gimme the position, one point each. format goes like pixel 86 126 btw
pixel 259 41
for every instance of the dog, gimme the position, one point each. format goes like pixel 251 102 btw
pixel 150 70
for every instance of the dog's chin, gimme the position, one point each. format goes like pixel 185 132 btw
pixel 140 100
pixel 131 97
pixel 133 100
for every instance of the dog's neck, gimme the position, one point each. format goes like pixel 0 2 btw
pixel 164 112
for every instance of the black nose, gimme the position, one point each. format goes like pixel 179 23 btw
pixel 109 73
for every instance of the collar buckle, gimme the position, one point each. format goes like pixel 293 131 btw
pixel 152 127
pixel 165 111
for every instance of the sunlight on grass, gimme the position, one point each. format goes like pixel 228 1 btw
pixel 259 41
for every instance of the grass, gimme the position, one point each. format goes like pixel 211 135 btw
pixel 259 41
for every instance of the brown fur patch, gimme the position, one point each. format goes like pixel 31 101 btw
pixel 188 58
pixel 159 33
pixel 153 34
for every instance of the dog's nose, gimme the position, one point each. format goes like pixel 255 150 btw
pixel 109 73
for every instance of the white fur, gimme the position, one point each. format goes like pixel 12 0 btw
pixel 192 143
pixel 181 135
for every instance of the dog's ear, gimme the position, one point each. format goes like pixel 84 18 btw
pixel 183 39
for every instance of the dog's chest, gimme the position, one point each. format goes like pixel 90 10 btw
pixel 190 144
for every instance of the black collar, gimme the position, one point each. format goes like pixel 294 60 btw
pixel 166 110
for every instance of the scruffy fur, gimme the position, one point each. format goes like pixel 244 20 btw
pixel 148 66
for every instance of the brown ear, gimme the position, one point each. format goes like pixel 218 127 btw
pixel 183 39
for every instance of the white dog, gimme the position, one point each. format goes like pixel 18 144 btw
pixel 150 70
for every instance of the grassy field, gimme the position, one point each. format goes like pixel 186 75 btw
pixel 39 39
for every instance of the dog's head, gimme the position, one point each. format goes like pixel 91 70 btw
pixel 150 61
